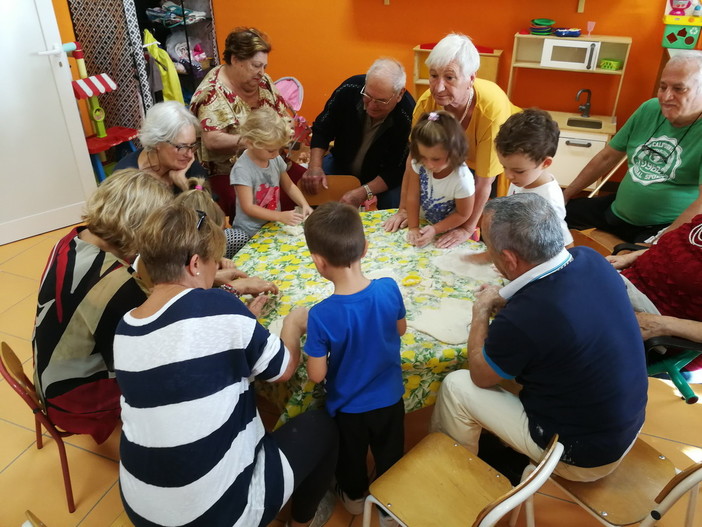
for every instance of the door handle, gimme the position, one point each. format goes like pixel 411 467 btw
pixel 55 50
pixel 581 144
pixel 590 57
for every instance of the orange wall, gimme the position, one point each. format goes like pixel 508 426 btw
pixel 322 42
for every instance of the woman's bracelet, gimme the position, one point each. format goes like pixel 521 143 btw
pixel 229 289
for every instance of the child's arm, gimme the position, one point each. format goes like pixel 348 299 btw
pixel 402 326
pixel 412 205
pixel 295 193
pixel 294 326
pixel 399 220
pixel 463 209
pixel 245 196
pixel 316 368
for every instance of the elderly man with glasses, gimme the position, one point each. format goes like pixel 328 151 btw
pixel 661 141
pixel 369 118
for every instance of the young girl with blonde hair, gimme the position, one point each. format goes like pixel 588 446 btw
pixel 260 173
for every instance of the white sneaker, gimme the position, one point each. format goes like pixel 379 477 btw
pixel 385 520
pixel 354 507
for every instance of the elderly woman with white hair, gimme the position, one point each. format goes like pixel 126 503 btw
pixel 169 137
pixel 479 105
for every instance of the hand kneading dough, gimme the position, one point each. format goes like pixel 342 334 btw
pixel 448 322
pixel 452 263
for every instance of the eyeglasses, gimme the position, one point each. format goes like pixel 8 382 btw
pixel 180 147
pixel 201 215
pixel 373 99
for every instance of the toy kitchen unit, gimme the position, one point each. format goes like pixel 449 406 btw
pixel 582 135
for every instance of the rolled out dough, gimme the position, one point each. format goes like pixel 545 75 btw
pixel 446 323
pixel 453 263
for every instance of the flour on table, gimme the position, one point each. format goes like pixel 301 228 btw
pixel 453 263
pixel 294 230
pixel 448 322
pixel 381 273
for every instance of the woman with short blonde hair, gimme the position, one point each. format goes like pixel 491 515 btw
pixel 185 361
pixel 87 286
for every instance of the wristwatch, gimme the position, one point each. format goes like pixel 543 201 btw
pixel 369 192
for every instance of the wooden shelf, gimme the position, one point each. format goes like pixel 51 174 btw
pixel 528 50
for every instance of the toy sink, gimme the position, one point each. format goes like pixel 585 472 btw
pixel 583 122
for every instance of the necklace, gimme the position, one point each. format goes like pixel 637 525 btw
pixel 470 100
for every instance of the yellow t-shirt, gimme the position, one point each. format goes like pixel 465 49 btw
pixel 492 108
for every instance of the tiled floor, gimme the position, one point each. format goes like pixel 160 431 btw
pixel 31 478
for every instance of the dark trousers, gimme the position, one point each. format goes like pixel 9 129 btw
pixel 383 430
pixel 585 213
pixel 310 444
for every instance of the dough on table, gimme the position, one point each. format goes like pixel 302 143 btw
pixel 448 322
pixel 453 263
pixel 294 230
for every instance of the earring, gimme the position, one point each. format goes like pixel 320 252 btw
pixel 197 274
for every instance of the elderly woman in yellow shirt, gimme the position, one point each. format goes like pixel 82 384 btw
pixel 479 105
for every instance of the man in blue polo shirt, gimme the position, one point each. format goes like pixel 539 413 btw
pixel 564 329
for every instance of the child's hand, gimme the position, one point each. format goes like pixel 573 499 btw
pixel 306 211
pixel 396 222
pixel 412 235
pixel 290 217
pixel 426 236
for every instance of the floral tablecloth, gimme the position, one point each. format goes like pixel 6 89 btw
pixel 276 254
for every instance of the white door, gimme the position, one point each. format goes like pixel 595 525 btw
pixel 575 150
pixel 45 172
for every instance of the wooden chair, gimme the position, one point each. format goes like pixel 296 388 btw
pixel 338 186
pixel 639 492
pixel 11 370
pixel 441 484
pixel 581 238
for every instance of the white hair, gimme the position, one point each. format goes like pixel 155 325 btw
pixel 390 69
pixel 164 121
pixel 457 48
pixel 693 57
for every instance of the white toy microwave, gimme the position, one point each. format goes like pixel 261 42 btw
pixel 570 54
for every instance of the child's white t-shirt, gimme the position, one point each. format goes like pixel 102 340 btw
pixel 552 193
pixel 438 196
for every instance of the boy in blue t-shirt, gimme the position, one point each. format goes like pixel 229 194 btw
pixel 353 344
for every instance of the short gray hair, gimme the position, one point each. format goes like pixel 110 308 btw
pixel 457 48
pixel 694 57
pixel 526 224
pixel 164 121
pixel 390 69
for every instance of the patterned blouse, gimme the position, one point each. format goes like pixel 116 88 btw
pixel 220 109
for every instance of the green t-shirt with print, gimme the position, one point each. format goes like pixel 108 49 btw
pixel 665 167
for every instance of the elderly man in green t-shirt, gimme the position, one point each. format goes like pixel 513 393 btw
pixel 663 147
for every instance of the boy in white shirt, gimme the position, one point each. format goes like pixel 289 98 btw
pixel 526 144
